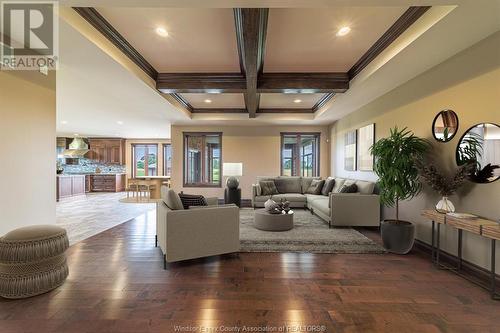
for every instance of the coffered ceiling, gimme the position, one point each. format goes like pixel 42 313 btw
pixel 305 40
pixel 252 60
pixel 199 40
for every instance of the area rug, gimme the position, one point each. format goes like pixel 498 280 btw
pixel 310 234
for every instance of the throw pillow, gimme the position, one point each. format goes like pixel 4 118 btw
pixel 171 199
pixel 353 188
pixel 316 186
pixel 328 186
pixel 190 200
pixel 268 187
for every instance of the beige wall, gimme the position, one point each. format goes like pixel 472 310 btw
pixel 27 150
pixel 128 153
pixel 258 148
pixel 469 84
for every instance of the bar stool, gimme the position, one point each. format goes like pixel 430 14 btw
pixel 132 186
pixel 145 187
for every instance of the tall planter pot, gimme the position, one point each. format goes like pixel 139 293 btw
pixel 397 237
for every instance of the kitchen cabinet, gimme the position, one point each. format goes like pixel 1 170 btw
pixel 107 183
pixel 107 151
pixel 69 186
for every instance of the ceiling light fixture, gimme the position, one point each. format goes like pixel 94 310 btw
pixel 76 134
pixel 208 101
pixel 343 31
pixel 64 122
pixel 297 100
pixel 119 122
pixel 162 32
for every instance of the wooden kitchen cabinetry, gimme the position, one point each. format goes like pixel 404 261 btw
pixel 107 183
pixel 69 186
pixel 107 151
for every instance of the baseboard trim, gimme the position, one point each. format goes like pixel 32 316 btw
pixel 478 273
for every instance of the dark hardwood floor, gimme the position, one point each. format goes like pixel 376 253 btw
pixel 117 284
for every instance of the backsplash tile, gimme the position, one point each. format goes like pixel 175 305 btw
pixel 89 166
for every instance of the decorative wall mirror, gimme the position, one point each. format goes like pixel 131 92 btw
pixel 445 125
pixel 480 146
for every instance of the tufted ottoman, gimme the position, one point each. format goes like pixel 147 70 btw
pixel 32 260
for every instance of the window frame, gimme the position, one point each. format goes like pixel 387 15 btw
pixel 297 163
pixel 163 146
pixel 185 135
pixel 134 162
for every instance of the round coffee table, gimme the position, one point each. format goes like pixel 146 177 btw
pixel 273 222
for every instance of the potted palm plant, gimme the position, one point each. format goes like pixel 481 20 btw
pixel 395 166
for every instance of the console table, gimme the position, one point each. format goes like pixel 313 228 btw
pixel 479 226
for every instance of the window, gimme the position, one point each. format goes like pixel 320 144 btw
pixel 299 154
pixel 167 159
pixel 202 159
pixel 145 158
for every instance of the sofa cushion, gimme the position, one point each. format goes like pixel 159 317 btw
pixel 171 199
pixel 316 186
pixel 292 197
pixel 365 187
pixel 288 184
pixel 262 198
pixel 349 182
pixel 312 197
pixel 191 200
pixel 258 189
pixel 328 186
pixel 338 185
pixel 306 182
pixel 321 205
pixel 268 187
pixel 351 188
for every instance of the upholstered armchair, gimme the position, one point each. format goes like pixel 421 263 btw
pixel 196 232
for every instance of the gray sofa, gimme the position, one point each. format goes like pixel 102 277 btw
pixel 196 232
pixel 338 209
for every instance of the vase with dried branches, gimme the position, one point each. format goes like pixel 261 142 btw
pixel 442 184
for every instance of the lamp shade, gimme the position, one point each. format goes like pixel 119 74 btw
pixel 232 169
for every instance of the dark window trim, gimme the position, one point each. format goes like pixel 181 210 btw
pixel 163 145
pixel 133 145
pixel 204 185
pixel 318 158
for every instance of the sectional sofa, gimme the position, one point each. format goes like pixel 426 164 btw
pixel 338 209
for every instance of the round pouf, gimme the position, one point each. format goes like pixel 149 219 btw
pixel 32 260
pixel 272 222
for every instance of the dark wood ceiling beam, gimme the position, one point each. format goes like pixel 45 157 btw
pixel 201 83
pixel 92 16
pixel 285 110
pixel 221 110
pixel 251 27
pixel 303 82
pixel 323 100
pixel 404 22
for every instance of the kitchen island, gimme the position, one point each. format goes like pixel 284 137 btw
pixel 70 185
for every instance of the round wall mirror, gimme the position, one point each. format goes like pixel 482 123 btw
pixel 480 146
pixel 445 125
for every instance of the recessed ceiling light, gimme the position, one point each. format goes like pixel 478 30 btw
pixel 162 32
pixel 343 31
pixel 76 134
pixel 119 122
pixel 297 100
pixel 208 101
pixel 64 122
